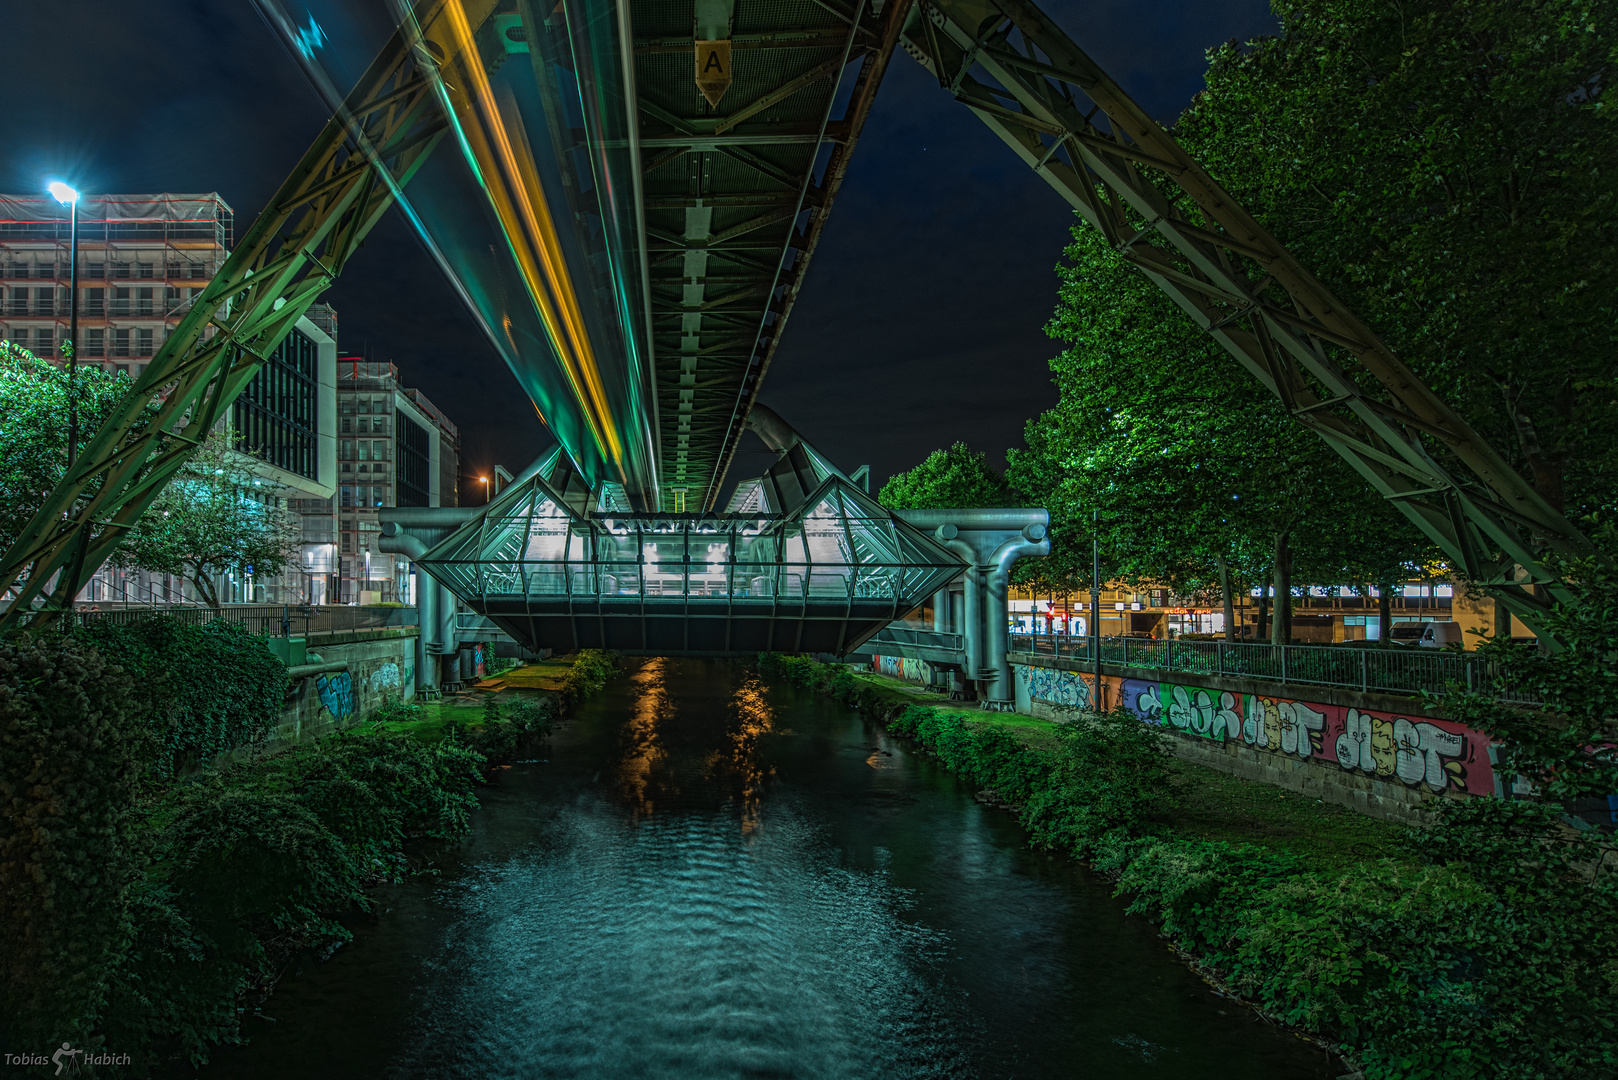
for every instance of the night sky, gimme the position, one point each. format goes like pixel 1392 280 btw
pixel 921 319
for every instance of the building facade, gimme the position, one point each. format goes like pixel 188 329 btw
pixel 394 448
pixel 143 260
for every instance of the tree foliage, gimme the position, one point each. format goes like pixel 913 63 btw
pixel 216 516
pixel 959 477
pixel 1450 168
pixel 34 398
pixel 1189 463
pixel 1564 742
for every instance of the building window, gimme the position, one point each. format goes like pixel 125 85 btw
pixel 120 343
pixel 144 343
pixel 95 270
pixel 377 425
pixel 95 343
pixel 347 497
pixel 379 450
pixel 276 413
pixel 143 301
pixel 120 301
pixel 146 270
pixel 19 302
pixel 44 301
pixel 199 270
pixel 95 302
pixel 120 269
pixel 347 425
pixel 413 479
pixel 347 467
pixel 44 341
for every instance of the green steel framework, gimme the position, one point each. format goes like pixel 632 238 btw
pixel 731 193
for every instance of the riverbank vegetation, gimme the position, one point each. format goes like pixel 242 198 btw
pixel 1480 946
pixel 148 899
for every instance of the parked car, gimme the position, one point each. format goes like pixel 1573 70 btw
pixel 1426 635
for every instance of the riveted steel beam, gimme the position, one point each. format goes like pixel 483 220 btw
pixel 1073 125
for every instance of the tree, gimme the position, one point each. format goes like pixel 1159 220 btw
pixel 215 516
pixel 959 477
pixel 1199 479
pixel 34 429
pixel 1450 168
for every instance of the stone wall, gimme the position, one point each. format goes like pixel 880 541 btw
pixel 381 664
pixel 1380 754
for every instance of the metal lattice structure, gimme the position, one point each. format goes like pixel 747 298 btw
pixel 1058 111
pixel 710 195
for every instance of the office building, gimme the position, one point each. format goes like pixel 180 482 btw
pixel 394 448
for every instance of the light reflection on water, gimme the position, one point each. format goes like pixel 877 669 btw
pixel 714 877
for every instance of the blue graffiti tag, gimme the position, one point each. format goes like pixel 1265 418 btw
pixel 336 694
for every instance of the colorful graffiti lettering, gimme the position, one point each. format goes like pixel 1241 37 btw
pixel 1412 750
pixel 903 667
pixel 384 678
pixel 479 660
pixel 1055 687
pixel 336 694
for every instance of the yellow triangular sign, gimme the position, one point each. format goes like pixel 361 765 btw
pixel 713 69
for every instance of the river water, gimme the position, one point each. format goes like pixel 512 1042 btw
pixel 706 876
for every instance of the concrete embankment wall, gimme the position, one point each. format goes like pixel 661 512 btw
pixel 1380 754
pixel 381 665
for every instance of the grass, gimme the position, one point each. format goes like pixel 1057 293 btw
pixel 1217 806
pixel 540 676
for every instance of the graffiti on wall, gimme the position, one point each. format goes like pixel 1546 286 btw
pixel 900 667
pixel 1055 687
pixel 1413 750
pixel 385 677
pixel 480 666
pixel 336 694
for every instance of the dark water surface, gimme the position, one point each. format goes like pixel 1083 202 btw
pixel 714 877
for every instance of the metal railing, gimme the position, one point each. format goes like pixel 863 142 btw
pixel 1393 670
pixel 266 620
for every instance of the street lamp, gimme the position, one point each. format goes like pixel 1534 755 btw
pixel 70 198
pixel 485 481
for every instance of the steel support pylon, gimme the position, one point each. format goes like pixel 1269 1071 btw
pixel 1057 110
pixel 293 251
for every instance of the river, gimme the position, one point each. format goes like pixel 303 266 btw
pixel 706 876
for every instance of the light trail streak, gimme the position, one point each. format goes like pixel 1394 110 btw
pixel 512 183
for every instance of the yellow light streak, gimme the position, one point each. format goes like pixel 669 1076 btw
pixel 518 198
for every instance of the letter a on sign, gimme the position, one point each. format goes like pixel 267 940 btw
pixel 713 69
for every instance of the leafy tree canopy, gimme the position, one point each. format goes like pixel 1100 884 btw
pixel 1450 168
pixel 34 429
pixel 215 516
pixel 957 477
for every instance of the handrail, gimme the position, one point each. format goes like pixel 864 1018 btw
pixel 1394 670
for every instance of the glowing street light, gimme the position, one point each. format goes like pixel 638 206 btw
pixel 485 481
pixel 70 198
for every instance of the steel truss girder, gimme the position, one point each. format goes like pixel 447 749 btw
pixel 1038 91
pixel 292 252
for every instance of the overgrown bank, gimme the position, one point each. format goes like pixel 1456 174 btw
pixel 144 908
pixel 1480 948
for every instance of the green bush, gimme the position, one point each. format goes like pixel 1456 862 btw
pixel 202 690
pixel 590 671
pixel 69 748
pixel 253 860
